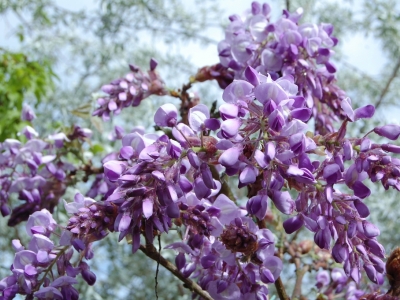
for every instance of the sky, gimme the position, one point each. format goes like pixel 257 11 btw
pixel 358 49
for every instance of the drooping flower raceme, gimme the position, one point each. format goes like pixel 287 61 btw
pixel 286 48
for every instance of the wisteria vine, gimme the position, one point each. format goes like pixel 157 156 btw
pixel 276 78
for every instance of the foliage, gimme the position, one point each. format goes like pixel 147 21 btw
pixel 20 78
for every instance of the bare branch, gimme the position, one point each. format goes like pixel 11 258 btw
pixel 300 272
pixel 388 83
pixel 288 5
pixel 281 289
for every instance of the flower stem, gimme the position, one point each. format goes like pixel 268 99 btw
pixel 152 252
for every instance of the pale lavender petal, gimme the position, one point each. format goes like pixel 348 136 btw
pixel 147 207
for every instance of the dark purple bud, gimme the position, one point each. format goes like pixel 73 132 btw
pixel 371 272
pixel 370 230
pixel 361 190
pixel 222 285
pixel 293 224
pixel 302 114
pixel 305 163
pixel 180 260
pixel 126 152
pixel 189 269
pixel 212 124
pixel 266 276
pixel 339 161
pixel 197 241
pixel 251 75
pixel 270 152
pixel 269 107
pixel 391 148
pixel 185 184
pixel 89 276
pixel 362 209
pixel 347 150
pixel 330 67
pixel 207 176
pixel 310 224
pixel 283 202
pixel 391 132
pixel 153 64
pixel 208 261
pixel 364 112
pixel 200 189
pixel 297 143
pixel 361 249
pixel 276 120
pixel 173 210
pixel 332 173
pixel 27 113
pixel 340 252
pixel 193 159
pixel 375 247
pixel 323 278
pixel 257 206
pixel 378 263
pixel 255 10
pixel 5 210
pixel 134 192
pixel 352 229
pixel 328 193
pixel 323 238
pixel 365 145
pixel 355 274
pixel 301 175
pixel 78 244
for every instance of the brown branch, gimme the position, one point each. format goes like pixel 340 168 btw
pixel 300 272
pixel 152 252
pixel 281 289
pixel 288 5
pixel 388 83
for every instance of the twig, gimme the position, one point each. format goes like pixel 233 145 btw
pixel 288 5
pixel 152 252
pixel 158 266
pixel 300 272
pixel 281 289
pixel 388 83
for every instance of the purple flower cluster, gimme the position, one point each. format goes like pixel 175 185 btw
pixel 91 221
pixel 129 91
pixel 33 171
pixel 228 254
pixel 285 48
pixel 32 268
pixel 178 179
pixel 261 139
pixel 334 281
